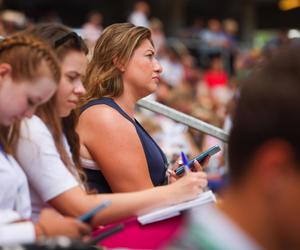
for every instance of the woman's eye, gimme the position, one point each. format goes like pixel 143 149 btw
pixel 72 79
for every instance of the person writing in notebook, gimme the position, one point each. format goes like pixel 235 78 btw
pixel 260 208
pixel 44 152
pixel 117 153
pixel 29 73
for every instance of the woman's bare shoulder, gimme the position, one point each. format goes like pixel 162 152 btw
pixel 102 116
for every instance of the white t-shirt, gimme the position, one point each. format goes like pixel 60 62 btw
pixel 14 192
pixel 15 233
pixel 91 32
pixel 47 174
pixel 173 72
pixel 139 19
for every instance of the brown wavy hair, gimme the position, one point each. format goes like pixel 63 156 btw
pixel 113 49
pixel 63 40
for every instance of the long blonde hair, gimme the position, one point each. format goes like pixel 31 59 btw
pixel 113 49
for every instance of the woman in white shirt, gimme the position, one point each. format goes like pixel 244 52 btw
pixel 45 157
pixel 29 73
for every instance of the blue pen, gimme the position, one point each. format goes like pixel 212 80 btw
pixel 87 216
pixel 185 162
pixel 200 158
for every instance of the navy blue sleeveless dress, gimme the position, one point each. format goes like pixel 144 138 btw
pixel 156 159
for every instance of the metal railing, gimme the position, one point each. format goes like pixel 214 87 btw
pixel 183 118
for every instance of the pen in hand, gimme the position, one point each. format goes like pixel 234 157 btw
pixel 187 168
pixel 183 167
pixel 90 214
pixel 185 162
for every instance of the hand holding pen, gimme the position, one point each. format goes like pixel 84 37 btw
pixel 202 158
pixel 197 165
pixel 190 181
pixel 182 163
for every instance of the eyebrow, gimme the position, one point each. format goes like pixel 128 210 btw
pixel 75 74
pixel 150 50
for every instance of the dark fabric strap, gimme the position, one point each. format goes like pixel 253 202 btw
pixel 109 102
pixel 156 159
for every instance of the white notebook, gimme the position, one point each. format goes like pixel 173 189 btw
pixel 171 211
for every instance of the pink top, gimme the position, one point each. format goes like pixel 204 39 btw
pixel 136 236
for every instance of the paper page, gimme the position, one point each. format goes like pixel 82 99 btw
pixel 174 210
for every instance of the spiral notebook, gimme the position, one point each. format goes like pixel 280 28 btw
pixel 171 211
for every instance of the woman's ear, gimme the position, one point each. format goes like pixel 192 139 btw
pixel 5 69
pixel 119 65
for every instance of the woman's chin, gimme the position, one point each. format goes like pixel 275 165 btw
pixel 153 87
pixel 65 113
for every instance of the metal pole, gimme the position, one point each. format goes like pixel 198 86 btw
pixel 183 118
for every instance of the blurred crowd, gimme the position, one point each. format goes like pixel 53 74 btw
pixel 202 68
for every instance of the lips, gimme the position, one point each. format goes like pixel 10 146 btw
pixel 157 78
pixel 75 102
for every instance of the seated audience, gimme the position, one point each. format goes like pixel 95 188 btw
pixel 44 153
pixel 29 73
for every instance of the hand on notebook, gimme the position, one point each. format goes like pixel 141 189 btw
pixel 189 186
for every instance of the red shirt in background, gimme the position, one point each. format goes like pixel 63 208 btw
pixel 215 78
